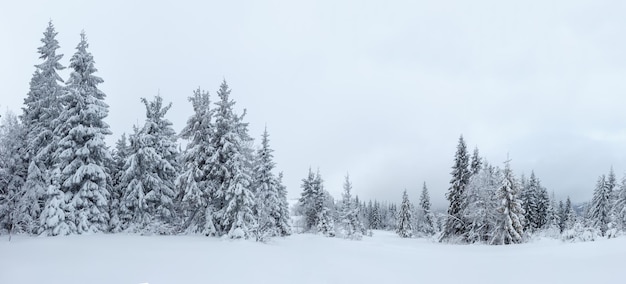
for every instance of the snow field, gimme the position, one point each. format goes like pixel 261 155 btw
pixel 304 258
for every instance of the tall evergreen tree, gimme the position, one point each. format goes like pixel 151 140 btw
pixel 82 156
pixel 194 183
pixel 307 201
pixel 314 204
pixel 455 225
pixel 543 206
pixel 509 227
pixel 42 106
pixel 611 183
pixel 13 169
pixel 552 217
pixel 377 222
pixel 599 213
pixel 326 223
pixel 230 170
pixel 425 219
pixel 562 216
pixel 283 222
pixel 404 228
pixel 476 162
pixel 116 171
pixel 266 187
pixel 149 173
pixel 351 225
pixel 480 210
pixel 620 205
pixel 529 198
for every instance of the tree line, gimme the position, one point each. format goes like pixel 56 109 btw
pixel 58 177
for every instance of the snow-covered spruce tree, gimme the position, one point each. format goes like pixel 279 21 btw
pixel 476 162
pixel 425 224
pixel 54 217
pixel 81 156
pixel 392 214
pixel 599 212
pixel 362 213
pixel 620 206
pixel 541 203
pixel 562 217
pixel 611 183
pixel 350 224
pixel 551 227
pixel 404 228
pixel 230 171
pixel 455 226
pixel 283 222
pixel 376 223
pixel 481 204
pixel 41 107
pixel 510 215
pixel 195 183
pixel 530 203
pixel 266 189
pixel 149 173
pixel 13 168
pixel 307 202
pixel 567 216
pixel 116 171
pixel 315 205
pixel 326 222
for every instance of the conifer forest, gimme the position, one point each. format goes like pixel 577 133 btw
pixel 212 201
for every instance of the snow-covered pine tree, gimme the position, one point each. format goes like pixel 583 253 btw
pixel 307 201
pixel 393 217
pixel 376 223
pixel 562 216
pixel 266 189
pixel 455 226
pixel 599 213
pixel 326 223
pixel 476 162
pixel 195 183
pixel 570 214
pixel 42 106
pixel 350 223
pixel 551 228
pixel 81 156
pixel 509 225
pixel 526 199
pixel 362 213
pixel 116 170
pixel 13 169
pixel 543 206
pixel 149 173
pixel 369 209
pixel 529 198
pixel 620 206
pixel 54 217
pixel 425 217
pixel 283 222
pixel 481 204
pixel 611 183
pixel 404 228
pixel 229 170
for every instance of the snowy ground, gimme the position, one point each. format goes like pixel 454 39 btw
pixel 384 258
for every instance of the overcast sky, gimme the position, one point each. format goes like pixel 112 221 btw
pixel 379 89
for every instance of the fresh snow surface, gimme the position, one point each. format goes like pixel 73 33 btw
pixel 383 258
